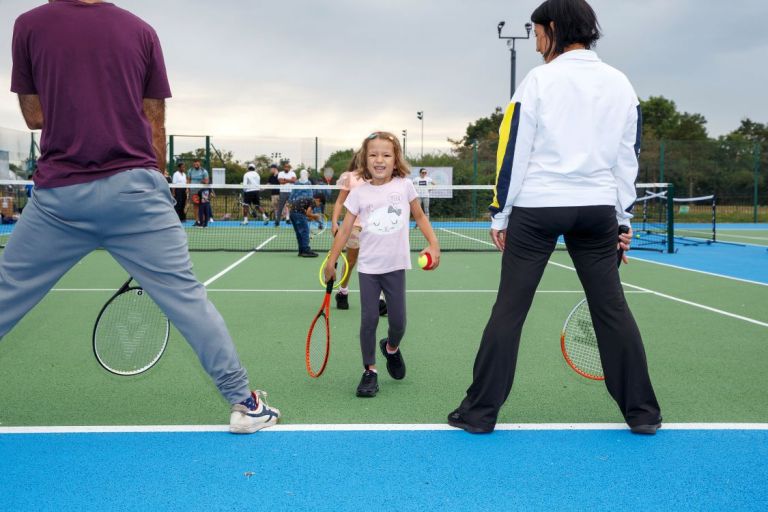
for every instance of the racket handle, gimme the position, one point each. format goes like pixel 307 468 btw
pixel 329 286
pixel 622 230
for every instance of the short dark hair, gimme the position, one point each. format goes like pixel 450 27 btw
pixel 575 23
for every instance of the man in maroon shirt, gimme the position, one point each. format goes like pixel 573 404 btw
pixel 92 77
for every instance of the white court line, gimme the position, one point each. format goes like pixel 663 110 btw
pixel 682 301
pixel 728 234
pixel 363 427
pixel 640 258
pixel 269 290
pixel 467 237
pixel 214 278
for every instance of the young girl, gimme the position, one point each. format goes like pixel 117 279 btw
pixel 383 204
pixel 348 180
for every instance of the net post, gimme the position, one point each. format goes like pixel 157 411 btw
pixel 714 218
pixel 474 179
pixel 170 152
pixel 755 206
pixel 208 155
pixel 671 218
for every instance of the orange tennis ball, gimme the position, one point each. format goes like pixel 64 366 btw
pixel 425 261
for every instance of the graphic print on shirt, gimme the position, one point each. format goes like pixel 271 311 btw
pixel 387 219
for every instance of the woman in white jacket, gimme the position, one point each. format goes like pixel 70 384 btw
pixel 566 165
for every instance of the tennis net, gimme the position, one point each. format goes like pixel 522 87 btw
pixel 458 214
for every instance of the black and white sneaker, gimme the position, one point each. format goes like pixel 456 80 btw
pixel 369 384
pixel 395 362
pixel 342 301
pixel 382 308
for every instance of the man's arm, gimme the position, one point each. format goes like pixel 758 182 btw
pixel 155 112
pixel 32 110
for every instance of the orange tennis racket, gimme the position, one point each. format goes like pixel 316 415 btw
pixel 319 336
pixel 578 341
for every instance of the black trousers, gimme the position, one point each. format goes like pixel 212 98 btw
pixel 591 235
pixel 180 194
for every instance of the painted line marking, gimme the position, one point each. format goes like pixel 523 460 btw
pixel 467 237
pixel 363 427
pixel 713 274
pixel 269 290
pixel 682 301
pixel 238 262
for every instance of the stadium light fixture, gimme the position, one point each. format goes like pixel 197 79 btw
pixel 420 116
pixel 513 54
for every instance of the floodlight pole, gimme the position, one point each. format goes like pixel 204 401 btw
pixel 420 115
pixel 405 142
pixel 512 52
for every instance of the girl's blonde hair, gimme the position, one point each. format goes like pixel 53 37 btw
pixel 401 170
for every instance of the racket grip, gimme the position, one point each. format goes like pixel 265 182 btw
pixel 622 230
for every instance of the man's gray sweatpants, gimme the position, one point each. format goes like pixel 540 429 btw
pixel 131 215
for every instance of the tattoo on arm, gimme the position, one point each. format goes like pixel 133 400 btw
pixel 32 110
pixel 155 112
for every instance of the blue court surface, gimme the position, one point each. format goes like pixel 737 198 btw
pixel 604 469
pixel 741 261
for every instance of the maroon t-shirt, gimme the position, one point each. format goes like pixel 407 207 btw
pixel 92 65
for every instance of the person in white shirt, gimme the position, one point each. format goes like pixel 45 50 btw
pixel 251 194
pixel 286 177
pixel 567 161
pixel 422 182
pixel 180 192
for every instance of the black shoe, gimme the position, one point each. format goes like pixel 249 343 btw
pixel 395 363
pixel 369 384
pixel 648 430
pixel 455 419
pixel 342 301
pixel 308 254
pixel 382 308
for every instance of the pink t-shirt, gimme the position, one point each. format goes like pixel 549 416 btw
pixel 347 181
pixel 384 212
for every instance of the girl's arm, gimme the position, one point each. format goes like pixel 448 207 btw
pixel 426 229
pixel 337 207
pixel 338 244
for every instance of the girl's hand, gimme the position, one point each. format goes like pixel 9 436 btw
pixel 334 228
pixel 330 271
pixel 434 253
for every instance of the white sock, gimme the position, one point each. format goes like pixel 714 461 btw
pixel 344 291
pixel 245 218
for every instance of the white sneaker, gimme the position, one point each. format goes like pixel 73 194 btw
pixel 252 414
pixel 245 222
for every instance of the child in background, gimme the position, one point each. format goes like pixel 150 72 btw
pixel 383 204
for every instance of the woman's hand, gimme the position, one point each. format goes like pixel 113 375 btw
pixel 330 270
pixel 625 239
pixel 498 236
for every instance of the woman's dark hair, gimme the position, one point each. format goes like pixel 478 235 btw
pixel 575 23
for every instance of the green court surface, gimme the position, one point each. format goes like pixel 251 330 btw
pixel 706 339
pixel 746 236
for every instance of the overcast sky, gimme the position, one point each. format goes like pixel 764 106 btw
pixel 247 71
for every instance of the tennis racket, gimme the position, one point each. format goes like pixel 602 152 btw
pixel 319 336
pixel 578 341
pixel 317 226
pixel 131 332
pixel 342 269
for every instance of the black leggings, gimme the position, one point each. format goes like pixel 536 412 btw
pixel 371 286
pixel 591 235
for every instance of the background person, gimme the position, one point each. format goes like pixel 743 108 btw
pixel 422 182
pixel 181 191
pixel 251 194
